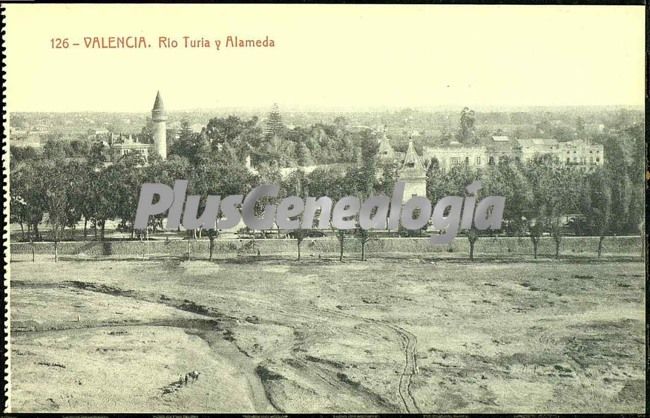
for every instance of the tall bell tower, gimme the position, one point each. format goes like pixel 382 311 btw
pixel 159 117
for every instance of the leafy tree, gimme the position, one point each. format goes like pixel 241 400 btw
pixel 27 188
pixel 18 205
pixel 368 173
pixel 274 125
pixel 511 182
pixel 126 192
pixel 192 146
pixel 619 158
pixel 104 206
pixel 19 154
pixel 56 194
pixel 54 150
pixel 165 172
pixel 80 148
pixel 555 192
pixel 98 154
pixel 303 155
pixel 597 205
pixel 389 176
pixel 466 129
pixel 77 174
pixel 240 135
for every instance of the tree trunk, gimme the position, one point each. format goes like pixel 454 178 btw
pixel 299 250
pixel 557 248
pixel 211 247
pixel 363 251
pixel 471 250
pixel 535 249
pixel 56 250
pixel 33 253
pixel 101 235
pixel 600 245
pixel 189 250
pixel 85 228
pixel 22 231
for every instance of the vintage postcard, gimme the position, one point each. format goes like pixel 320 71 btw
pixel 324 208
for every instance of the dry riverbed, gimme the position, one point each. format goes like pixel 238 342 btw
pixel 323 336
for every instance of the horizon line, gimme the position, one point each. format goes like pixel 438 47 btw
pixel 349 109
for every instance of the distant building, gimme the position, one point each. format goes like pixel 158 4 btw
pixel 25 140
pixel 98 133
pixel 122 147
pixel 308 169
pixel 197 127
pixel 580 153
pixel 501 148
pixel 577 153
pixel 446 157
pixel 533 148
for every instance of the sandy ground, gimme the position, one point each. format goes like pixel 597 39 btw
pixel 386 335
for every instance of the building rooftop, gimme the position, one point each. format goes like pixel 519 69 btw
pixel 412 160
pixel 537 142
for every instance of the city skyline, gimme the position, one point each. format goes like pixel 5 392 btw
pixel 447 108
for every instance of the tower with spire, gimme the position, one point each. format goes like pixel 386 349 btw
pixel 159 118
pixel 414 174
pixel 386 151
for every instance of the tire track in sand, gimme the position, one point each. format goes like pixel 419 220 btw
pixel 408 342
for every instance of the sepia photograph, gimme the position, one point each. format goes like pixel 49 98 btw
pixel 274 209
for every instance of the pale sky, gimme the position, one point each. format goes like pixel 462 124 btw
pixel 337 56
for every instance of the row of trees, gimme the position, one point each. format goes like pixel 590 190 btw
pixel 271 143
pixel 538 194
pixel 540 199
